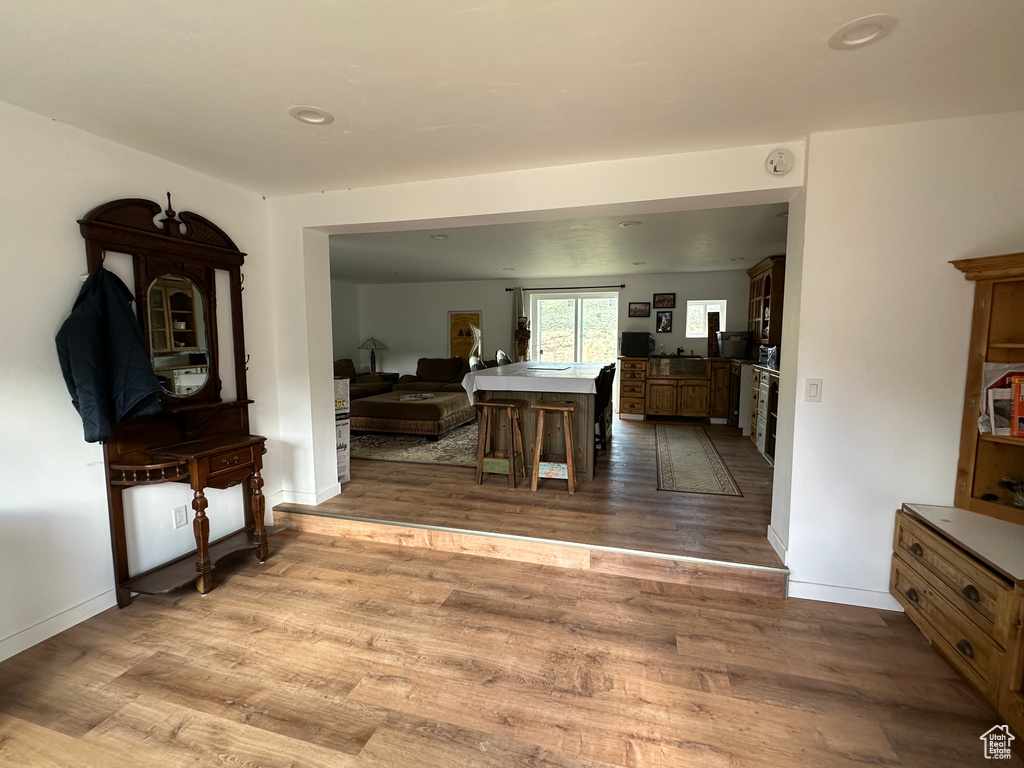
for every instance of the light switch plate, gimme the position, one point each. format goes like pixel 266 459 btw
pixel 812 393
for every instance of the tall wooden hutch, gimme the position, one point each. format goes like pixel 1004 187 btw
pixel 959 571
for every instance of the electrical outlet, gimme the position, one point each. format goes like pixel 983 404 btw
pixel 180 516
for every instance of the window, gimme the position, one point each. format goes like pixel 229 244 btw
pixel 574 327
pixel 697 317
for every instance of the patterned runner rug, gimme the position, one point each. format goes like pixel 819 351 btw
pixel 688 462
pixel 456 448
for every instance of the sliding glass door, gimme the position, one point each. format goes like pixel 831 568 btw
pixel 574 327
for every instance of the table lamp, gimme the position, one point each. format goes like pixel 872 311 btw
pixel 373 344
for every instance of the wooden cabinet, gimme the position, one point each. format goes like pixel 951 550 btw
pixel 662 395
pixel 692 397
pixel 632 387
pixel 172 307
pixel 764 414
pixel 719 394
pixel 997 336
pixel 958 576
pixel 764 314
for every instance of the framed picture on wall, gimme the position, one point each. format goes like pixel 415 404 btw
pixel 460 332
pixel 664 322
pixel 639 309
pixel 664 301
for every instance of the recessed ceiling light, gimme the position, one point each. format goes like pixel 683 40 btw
pixel 638 263
pixel 629 223
pixel 861 32
pixel 311 115
pixel 438 236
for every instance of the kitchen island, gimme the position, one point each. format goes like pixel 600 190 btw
pixel 535 381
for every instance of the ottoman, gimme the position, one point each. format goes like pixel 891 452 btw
pixel 431 417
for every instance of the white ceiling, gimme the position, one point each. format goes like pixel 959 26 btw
pixel 425 89
pixel 684 241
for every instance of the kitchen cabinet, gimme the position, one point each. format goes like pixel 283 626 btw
pixel 719 392
pixel 764 315
pixel 632 387
pixel 765 411
pixel 679 386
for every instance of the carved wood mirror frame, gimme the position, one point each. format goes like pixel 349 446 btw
pixel 183 245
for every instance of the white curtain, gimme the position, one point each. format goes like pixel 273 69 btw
pixel 519 314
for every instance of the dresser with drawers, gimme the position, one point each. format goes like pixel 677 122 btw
pixel 958 575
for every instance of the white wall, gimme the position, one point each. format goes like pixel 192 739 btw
pixel 884 321
pixel 413 318
pixel 345 333
pixel 55 561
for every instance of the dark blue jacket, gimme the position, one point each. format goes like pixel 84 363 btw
pixel 104 357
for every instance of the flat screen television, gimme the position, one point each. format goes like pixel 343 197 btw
pixel 635 344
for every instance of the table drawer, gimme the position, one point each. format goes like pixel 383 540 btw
pixel 631 389
pixel 631 405
pixel 226 461
pixel 973 653
pixel 974 589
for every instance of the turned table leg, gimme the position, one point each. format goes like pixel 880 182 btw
pixel 201 527
pixel 258 509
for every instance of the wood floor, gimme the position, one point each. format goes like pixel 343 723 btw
pixel 621 508
pixel 339 653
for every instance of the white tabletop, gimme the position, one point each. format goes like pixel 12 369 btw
pixel 997 542
pixel 578 378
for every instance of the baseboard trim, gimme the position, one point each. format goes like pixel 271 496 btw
pixel 777 544
pixel 828 593
pixel 301 497
pixel 47 628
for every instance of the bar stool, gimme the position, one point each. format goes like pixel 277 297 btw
pixel 500 461
pixel 550 466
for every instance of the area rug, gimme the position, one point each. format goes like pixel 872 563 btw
pixel 688 462
pixel 456 448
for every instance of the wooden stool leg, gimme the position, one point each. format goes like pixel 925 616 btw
pixel 510 448
pixel 519 443
pixel 538 439
pixel 570 463
pixel 481 443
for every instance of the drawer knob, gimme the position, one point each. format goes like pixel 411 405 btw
pixel 971 593
pixel 912 595
pixel 916 549
pixel 965 648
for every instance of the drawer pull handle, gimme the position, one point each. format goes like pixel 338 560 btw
pixel 912 595
pixel 916 549
pixel 966 649
pixel 971 593
pixel 229 461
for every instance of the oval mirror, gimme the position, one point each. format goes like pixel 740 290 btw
pixel 177 335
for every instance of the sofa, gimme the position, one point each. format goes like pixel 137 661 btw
pixel 435 374
pixel 360 385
